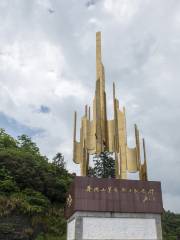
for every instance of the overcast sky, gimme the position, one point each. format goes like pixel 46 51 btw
pixel 47 70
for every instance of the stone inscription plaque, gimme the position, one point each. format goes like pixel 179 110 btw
pixel 113 195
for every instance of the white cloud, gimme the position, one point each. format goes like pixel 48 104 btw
pixel 168 199
pixel 65 89
pixel 33 75
pixel 49 59
pixel 122 10
pixel 32 72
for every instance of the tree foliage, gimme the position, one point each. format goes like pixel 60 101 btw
pixel 171 226
pixel 29 169
pixel 32 185
pixel 58 161
pixel 7 183
pixel 6 141
pixel 26 144
pixel 104 166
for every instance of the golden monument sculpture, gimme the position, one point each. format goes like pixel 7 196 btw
pixel 100 134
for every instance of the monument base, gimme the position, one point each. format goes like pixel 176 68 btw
pixel 114 226
pixel 114 209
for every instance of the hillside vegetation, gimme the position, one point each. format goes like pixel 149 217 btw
pixel 33 190
pixel 171 226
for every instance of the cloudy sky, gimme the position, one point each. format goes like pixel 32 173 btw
pixel 47 70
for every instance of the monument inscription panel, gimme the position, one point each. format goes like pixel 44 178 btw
pixel 114 195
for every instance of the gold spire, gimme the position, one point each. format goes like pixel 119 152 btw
pixel 99 134
pixel 98 54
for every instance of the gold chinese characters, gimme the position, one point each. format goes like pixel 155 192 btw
pixel 147 194
pixel 69 201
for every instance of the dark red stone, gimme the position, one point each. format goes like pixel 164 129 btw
pixel 114 195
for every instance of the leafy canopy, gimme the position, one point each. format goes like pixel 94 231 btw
pixel 32 186
pixel 22 166
pixel 104 166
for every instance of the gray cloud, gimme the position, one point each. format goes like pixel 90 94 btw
pixel 44 109
pixel 50 58
pixel 90 3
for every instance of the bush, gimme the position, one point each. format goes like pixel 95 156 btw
pixel 7 183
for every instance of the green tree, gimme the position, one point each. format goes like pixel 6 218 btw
pixel 58 160
pixel 26 144
pixel 7 183
pixel 171 225
pixel 33 171
pixel 6 141
pixel 104 166
pixel 32 188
